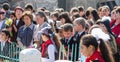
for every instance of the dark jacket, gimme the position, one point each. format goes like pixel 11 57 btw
pixel 5 51
pixel 20 23
pixel 76 50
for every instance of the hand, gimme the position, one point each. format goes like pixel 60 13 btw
pixel 15 28
pixel 20 44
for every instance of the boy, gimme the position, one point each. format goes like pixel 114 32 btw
pixel 67 40
pixel 4 44
pixel 79 27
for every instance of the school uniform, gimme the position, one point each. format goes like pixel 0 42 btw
pixel 48 51
pixel 25 35
pixel 95 57
pixel 116 31
pixel 77 38
pixel 4 48
pixel 68 44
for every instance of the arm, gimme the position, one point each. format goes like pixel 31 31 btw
pixel 19 38
pixel 51 53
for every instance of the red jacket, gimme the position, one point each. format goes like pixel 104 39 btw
pixel 95 56
pixel 116 31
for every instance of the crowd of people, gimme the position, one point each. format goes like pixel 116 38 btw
pixel 92 33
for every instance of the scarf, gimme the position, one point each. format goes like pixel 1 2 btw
pixel 45 45
pixel 95 57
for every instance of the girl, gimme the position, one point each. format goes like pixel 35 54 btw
pixel 50 45
pixel 89 48
pixel 64 18
pixel 105 26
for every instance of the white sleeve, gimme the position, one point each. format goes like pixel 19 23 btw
pixel 51 53
pixel 98 33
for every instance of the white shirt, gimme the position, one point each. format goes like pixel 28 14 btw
pixel 51 54
pixel 1 23
pixel 17 21
pixel 98 33
pixel 2 45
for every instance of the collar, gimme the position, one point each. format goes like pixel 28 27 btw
pixel 31 26
pixel 42 24
pixel 95 56
pixel 81 32
pixel 68 39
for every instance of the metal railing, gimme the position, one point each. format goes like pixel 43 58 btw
pixel 10 53
pixel 71 53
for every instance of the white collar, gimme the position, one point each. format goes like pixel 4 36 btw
pixel 81 32
pixel 31 26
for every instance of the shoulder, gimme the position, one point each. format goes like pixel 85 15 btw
pixel 46 24
pixel 21 28
pixel 51 47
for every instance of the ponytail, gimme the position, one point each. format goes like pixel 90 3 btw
pixel 57 42
pixel 105 51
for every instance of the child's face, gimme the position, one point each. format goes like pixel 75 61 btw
pixel 3 36
pixel 67 34
pixel 105 12
pixel 77 27
pixel 44 38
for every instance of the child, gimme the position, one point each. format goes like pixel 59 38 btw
pixel 50 45
pixel 95 51
pixel 67 40
pixel 4 44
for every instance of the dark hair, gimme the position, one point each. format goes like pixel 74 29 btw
pixel 42 14
pixel 106 22
pixel 12 13
pixel 74 9
pixel 47 12
pixel 29 6
pixel 6 6
pixel 87 13
pixel 67 27
pixel 75 15
pixel 53 35
pixel 88 40
pixel 65 15
pixel 6 32
pixel 29 14
pixel 81 8
pixel 95 15
pixel 59 10
pixel 118 9
pixel 56 14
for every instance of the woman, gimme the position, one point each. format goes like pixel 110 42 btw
pixel 50 46
pixel 25 33
pixel 98 50
pixel 41 20
pixel 64 18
